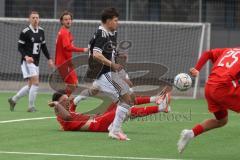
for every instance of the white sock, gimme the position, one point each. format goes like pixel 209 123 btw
pixel 191 133
pixel 121 113
pixel 21 93
pixel 153 99
pixel 161 107
pixel 78 99
pixel 83 95
pixel 32 95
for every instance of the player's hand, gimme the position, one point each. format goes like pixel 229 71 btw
pixel 51 64
pixel 194 72
pixel 29 59
pixel 85 50
pixel 116 67
pixel 53 103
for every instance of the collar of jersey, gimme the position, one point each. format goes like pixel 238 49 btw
pixel 31 27
pixel 108 32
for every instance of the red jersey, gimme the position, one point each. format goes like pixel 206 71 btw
pixel 76 122
pixel 212 55
pixel 226 67
pixel 65 47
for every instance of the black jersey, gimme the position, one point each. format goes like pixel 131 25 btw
pixel 104 42
pixel 31 42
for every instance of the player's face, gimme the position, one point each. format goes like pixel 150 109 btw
pixel 67 21
pixel 112 24
pixel 64 101
pixel 34 20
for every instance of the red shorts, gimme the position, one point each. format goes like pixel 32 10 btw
pixel 222 97
pixel 68 75
pixel 102 122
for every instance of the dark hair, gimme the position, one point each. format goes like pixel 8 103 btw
pixel 64 14
pixel 109 13
pixel 57 95
pixel 32 12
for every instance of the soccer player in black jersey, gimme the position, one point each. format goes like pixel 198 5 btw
pixel 31 42
pixel 104 70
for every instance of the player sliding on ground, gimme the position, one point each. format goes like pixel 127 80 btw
pixel 70 120
pixel 222 91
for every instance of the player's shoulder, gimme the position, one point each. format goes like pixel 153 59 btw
pixel 236 49
pixel 40 28
pixel 214 50
pixel 102 32
pixel 63 31
pixel 25 30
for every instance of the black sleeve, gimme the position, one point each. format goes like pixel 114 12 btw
pixel 21 44
pixel 100 41
pixel 44 48
pixel 45 51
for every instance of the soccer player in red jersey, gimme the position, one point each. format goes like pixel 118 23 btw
pixel 222 90
pixel 70 120
pixel 64 49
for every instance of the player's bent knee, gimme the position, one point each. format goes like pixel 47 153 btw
pixel 223 122
pixel 34 80
pixel 124 105
pixel 93 91
pixel 220 115
pixel 126 98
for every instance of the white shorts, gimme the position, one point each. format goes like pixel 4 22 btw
pixel 124 75
pixel 29 69
pixel 111 84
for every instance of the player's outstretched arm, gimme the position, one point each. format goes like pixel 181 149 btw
pixel 194 71
pixel 72 48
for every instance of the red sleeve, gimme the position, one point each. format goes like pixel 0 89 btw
pixel 212 55
pixel 75 49
pixel 67 44
pixel 203 59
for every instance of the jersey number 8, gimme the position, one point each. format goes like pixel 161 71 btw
pixel 36 48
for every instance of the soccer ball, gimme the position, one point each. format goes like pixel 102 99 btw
pixel 182 81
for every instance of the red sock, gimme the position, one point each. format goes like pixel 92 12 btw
pixel 112 106
pixel 143 111
pixel 142 100
pixel 198 129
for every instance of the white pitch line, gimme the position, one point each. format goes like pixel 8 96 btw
pixel 82 155
pixel 25 119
